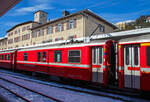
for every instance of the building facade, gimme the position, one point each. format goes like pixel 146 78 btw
pixel 69 26
pixel 3 43
pixel 80 24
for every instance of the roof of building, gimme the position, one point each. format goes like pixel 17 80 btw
pixel 21 25
pixel 78 13
pixel 40 11
pixel 6 5
pixel 2 38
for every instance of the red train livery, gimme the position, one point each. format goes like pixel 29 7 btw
pixel 124 63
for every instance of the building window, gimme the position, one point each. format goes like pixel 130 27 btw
pixel 71 24
pixel 17 39
pixel 34 34
pixel 15 31
pixel 59 26
pixel 38 56
pixel 27 36
pixel 40 32
pixel 74 56
pixel 23 37
pixel 44 57
pixel 58 56
pixel 25 56
pixel 58 39
pixel 28 27
pixel 10 41
pixel 102 28
pixel 23 29
pixel 50 30
pixel 71 37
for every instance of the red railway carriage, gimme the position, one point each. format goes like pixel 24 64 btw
pixel 6 59
pixel 134 63
pixel 86 61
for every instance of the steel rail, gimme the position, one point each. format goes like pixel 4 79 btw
pixel 32 90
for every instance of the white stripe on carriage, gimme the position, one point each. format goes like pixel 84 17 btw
pixel 59 64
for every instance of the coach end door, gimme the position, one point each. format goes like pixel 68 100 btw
pixel 97 64
pixel 132 66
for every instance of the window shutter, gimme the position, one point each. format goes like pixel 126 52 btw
pixel 75 23
pixel 67 25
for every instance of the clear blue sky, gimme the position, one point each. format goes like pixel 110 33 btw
pixel 111 10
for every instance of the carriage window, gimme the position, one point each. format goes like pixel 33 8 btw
pixel 100 55
pixel 44 57
pixel 74 56
pixel 148 55
pixel 5 57
pixel 58 56
pixel 8 56
pixel 94 55
pixel 136 56
pixel 2 57
pixel 38 56
pixel 25 56
pixel 127 56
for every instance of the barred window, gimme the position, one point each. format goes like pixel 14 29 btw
pixel 74 56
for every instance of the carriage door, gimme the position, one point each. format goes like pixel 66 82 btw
pixel 97 64
pixel 132 66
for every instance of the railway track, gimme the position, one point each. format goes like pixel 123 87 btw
pixel 24 93
pixel 108 95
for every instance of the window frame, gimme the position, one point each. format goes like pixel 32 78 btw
pixel 75 56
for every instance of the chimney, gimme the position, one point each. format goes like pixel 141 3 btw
pixel 65 13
